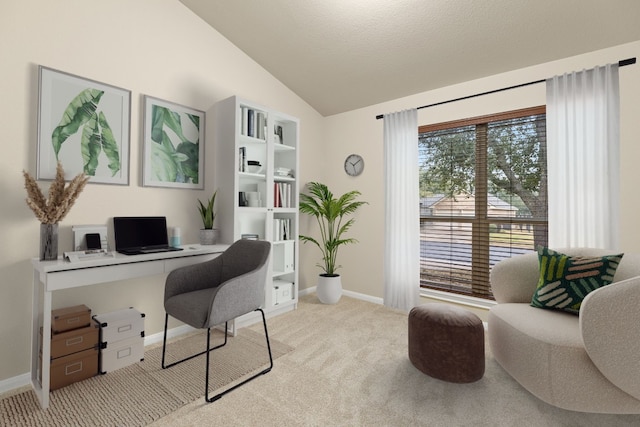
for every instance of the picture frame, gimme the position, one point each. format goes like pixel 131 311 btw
pixel 173 145
pixel 84 124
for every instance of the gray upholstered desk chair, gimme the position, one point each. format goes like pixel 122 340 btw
pixel 217 291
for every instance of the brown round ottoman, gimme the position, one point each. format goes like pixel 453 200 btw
pixel 446 342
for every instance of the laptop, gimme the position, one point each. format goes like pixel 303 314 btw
pixel 135 235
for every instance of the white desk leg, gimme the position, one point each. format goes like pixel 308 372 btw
pixel 41 388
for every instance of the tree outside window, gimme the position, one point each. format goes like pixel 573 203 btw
pixel 483 197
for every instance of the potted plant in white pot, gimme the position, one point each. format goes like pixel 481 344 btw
pixel 208 234
pixel 329 212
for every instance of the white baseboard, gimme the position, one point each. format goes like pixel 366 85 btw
pixel 171 333
pixel 364 297
pixel 307 291
pixel 351 294
pixel 16 382
pixel 25 379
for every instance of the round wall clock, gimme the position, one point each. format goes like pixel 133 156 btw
pixel 354 165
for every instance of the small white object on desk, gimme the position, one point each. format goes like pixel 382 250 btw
pixel 76 256
pixel 176 237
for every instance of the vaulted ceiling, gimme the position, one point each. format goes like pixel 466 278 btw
pixel 340 55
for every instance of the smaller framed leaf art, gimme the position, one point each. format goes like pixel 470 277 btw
pixel 85 125
pixel 173 145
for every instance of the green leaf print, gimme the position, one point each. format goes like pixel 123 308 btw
pixel 90 145
pixel 191 160
pixel 109 144
pixel 157 122
pixel 173 122
pixel 195 120
pixel 79 111
pixel 173 161
pixel 163 164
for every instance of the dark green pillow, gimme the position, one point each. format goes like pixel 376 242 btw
pixel 566 280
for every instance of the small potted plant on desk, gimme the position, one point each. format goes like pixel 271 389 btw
pixel 208 234
pixel 329 212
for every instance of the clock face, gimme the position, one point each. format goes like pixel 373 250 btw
pixel 354 165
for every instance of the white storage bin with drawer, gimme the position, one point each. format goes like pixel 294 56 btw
pixel 121 324
pixel 121 338
pixel 282 292
pixel 118 354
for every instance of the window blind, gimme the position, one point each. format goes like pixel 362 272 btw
pixel 483 197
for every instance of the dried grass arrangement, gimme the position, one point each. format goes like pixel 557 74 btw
pixel 60 200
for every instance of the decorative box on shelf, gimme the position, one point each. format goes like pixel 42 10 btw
pixel 282 291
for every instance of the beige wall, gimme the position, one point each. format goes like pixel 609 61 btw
pixel 358 131
pixel 153 47
pixel 159 48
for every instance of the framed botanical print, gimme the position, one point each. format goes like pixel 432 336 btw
pixel 85 125
pixel 173 145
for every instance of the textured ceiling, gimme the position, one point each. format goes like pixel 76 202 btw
pixel 339 55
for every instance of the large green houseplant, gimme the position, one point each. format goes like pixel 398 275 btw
pixel 330 212
pixel 208 215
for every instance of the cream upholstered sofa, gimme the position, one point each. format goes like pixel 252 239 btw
pixel 588 362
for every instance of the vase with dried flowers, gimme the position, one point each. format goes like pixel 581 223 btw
pixel 52 210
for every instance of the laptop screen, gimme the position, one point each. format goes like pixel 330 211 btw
pixel 139 231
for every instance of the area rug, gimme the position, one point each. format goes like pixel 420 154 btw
pixel 142 393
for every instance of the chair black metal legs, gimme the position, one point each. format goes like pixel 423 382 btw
pixel 164 345
pixel 209 349
pixel 219 395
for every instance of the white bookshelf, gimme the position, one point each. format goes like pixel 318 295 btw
pixel 271 218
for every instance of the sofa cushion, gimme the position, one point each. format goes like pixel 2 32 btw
pixel 565 281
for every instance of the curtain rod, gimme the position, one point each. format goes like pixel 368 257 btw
pixel 621 63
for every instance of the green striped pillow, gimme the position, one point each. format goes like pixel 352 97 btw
pixel 566 280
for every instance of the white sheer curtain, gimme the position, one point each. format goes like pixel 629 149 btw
pixel 583 158
pixel 402 210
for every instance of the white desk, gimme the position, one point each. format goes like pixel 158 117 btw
pixel 56 275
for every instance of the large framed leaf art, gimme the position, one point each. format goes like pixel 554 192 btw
pixel 85 125
pixel 173 145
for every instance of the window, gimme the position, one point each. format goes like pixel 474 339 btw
pixel 483 197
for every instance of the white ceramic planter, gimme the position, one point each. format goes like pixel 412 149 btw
pixel 329 289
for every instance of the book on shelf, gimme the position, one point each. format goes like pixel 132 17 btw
pixel 242 159
pixel 288 195
pixel 253 123
pixel 282 195
pixel 244 121
pixel 281 229
pixel 248 123
pixel 261 124
pixel 276 195
pixel 277 131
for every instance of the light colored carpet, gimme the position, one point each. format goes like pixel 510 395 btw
pixel 139 394
pixel 350 368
